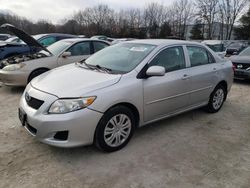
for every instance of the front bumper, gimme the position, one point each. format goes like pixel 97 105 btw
pixel 242 74
pixel 14 78
pixel 80 125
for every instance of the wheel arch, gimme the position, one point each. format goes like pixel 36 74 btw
pixel 40 68
pixel 132 107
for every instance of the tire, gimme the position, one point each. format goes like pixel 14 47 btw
pixel 36 73
pixel 107 135
pixel 217 98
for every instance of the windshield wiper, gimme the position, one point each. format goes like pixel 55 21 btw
pixel 87 65
pixel 96 67
pixel 108 70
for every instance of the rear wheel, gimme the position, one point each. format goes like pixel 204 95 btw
pixel 36 73
pixel 217 99
pixel 115 129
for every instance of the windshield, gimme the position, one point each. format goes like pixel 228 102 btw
pixel 245 52
pixel 216 47
pixel 58 47
pixel 121 58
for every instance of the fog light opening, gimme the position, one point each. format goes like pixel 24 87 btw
pixel 61 135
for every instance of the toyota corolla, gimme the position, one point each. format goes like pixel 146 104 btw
pixel 104 99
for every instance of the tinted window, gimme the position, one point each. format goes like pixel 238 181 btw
pixel 170 58
pixel 199 56
pixel 99 45
pixel 47 41
pixel 82 48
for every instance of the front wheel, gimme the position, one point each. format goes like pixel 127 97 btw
pixel 115 129
pixel 217 99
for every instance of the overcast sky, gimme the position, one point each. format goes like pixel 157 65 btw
pixel 56 10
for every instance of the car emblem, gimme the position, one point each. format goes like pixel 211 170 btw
pixel 239 66
pixel 27 97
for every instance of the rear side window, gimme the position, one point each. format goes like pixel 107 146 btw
pixel 171 59
pixel 99 45
pixel 81 48
pixel 199 56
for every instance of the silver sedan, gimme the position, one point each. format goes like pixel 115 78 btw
pixel 103 99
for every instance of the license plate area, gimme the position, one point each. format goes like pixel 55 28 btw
pixel 22 116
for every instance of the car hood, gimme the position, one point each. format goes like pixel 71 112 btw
pixel 29 40
pixel 73 81
pixel 240 59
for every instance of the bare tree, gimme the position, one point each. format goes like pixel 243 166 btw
pixel 230 10
pixel 184 12
pixel 207 10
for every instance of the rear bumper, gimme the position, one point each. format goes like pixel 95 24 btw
pixel 13 78
pixel 241 74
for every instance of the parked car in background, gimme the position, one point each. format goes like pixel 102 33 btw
pixel 116 41
pixel 14 40
pixel 29 45
pixel 4 37
pixel 50 38
pixel 235 48
pixel 128 85
pixel 102 37
pixel 241 63
pixel 217 46
pixel 20 70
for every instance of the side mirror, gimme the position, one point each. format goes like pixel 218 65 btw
pixel 66 54
pixel 155 71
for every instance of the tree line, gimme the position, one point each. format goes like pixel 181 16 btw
pixel 153 21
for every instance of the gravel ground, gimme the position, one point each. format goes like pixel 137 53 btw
pixel 195 149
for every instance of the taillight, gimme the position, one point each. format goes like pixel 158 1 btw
pixel 233 67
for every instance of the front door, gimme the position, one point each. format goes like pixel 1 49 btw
pixel 79 51
pixel 167 94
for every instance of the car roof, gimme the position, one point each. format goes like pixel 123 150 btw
pixel 83 39
pixel 211 42
pixel 54 34
pixel 160 42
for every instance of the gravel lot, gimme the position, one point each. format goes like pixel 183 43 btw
pixel 195 149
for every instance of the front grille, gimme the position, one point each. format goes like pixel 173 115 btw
pixel 34 103
pixel 244 65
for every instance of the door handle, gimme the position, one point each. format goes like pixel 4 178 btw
pixel 214 69
pixel 185 77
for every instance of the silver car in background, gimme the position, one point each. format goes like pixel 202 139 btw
pixel 20 70
pixel 103 99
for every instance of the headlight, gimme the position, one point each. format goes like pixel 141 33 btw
pixel 62 106
pixel 14 67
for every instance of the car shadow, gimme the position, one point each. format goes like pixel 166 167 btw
pixel 12 90
pixel 149 130
pixel 243 82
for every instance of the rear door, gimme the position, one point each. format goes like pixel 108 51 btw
pixel 79 51
pixel 99 45
pixel 167 94
pixel 204 74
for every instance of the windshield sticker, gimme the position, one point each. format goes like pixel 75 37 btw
pixel 138 49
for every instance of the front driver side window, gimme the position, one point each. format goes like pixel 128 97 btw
pixel 171 59
pixel 82 48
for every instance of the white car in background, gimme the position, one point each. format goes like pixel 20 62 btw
pixel 20 70
pixel 217 46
